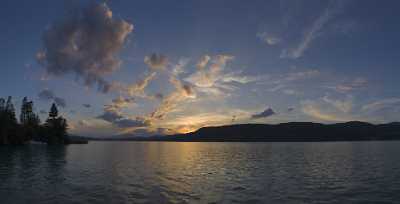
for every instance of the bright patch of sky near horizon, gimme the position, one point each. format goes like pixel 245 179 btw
pixel 188 64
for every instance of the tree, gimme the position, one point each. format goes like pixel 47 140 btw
pixel 9 130
pixel 10 110
pixel 23 116
pixel 53 111
pixel 54 131
pixel 29 121
pixel 3 133
pixel 56 127
pixel 2 104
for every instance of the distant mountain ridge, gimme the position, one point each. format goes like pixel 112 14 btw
pixel 284 132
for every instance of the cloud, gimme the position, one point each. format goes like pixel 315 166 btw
pixel 265 114
pixel 114 116
pixel 286 83
pixel 84 123
pixel 137 89
pixel 203 62
pixel 356 84
pixel 131 122
pixel 313 32
pixel 210 78
pixel 110 115
pixel 60 102
pixel 181 93
pixel 156 61
pixel 268 38
pixel 381 104
pixel 114 108
pixel 342 105
pixel 121 102
pixel 179 67
pixel 294 76
pixel 48 95
pixel 147 132
pixel 86 105
pixel 206 78
pixel 313 109
pixel 86 43
pixel 238 78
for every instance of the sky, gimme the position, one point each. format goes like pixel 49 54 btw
pixel 141 68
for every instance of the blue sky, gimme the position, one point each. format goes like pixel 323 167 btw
pixel 175 66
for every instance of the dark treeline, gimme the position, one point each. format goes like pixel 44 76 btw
pixel 29 127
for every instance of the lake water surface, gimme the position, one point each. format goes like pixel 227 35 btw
pixel 168 172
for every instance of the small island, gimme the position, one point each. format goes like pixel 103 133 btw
pixel 29 128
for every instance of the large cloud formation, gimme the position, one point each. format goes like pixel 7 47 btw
pixel 87 43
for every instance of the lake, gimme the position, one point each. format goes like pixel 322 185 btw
pixel 169 172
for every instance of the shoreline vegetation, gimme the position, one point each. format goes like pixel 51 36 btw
pixel 284 132
pixel 29 128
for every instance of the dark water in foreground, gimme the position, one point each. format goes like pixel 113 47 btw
pixel 144 172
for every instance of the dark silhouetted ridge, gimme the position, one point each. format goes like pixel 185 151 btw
pixel 287 132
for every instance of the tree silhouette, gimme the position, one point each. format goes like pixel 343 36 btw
pixel 53 111
pixel 56 127
pixel 10 110
pixel 54 131
pixel 29 120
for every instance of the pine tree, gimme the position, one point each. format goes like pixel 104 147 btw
pixel 2 104
pixel 53 111
pixel 10 110
pixel 3 134
pixel 23 116
pixel 29 121
pixel 10 131
pixel 56 127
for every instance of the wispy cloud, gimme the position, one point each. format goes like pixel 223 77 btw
pixel 314 110
pixel 207 78
pixel 137 89
pixel 314 31
pixel 356 84
pixel 268 38
pixel 381 104
pixel 211 77
pixel 311 34
pixel 342 105
pixel 289 82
